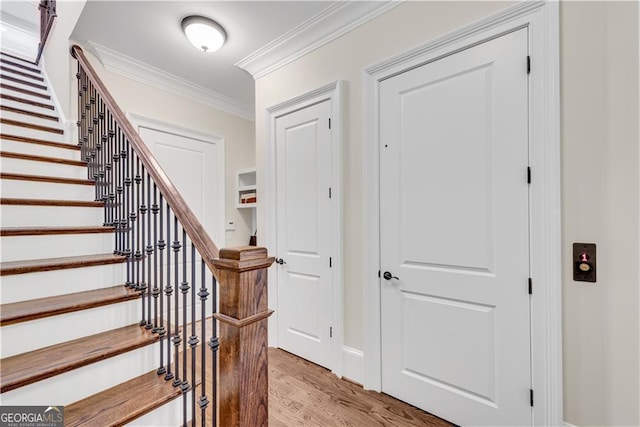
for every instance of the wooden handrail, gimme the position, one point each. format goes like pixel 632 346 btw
pixel 190 223
pixel 47 15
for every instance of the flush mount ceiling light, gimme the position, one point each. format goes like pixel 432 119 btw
pixel 204 33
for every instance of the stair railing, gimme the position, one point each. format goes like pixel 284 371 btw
pixel 175 265
pixel 47 16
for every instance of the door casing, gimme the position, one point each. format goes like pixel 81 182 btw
pixel 542 19
pixel 334 93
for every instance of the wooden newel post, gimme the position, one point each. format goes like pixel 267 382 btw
pixel 243 386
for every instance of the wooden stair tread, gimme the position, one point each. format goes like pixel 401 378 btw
pixel 49 264
pixel 21 80
pixel 28 113
pixel 34 158
pixel 123 403
pixel 21 73
pixel 25 91
pixel 51 202
pixel 18 62
pixel 28 368
pixel 51 306
pixel 39 231
pixel 29 140
pixel 11 122
pixel 44 178
pixel 25 101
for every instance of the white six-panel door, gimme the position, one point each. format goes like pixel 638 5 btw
pixel 455 235
pixel 304 232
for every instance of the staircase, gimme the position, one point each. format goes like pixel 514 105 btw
pixel 70 330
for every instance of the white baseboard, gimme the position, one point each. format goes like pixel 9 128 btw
pixel 566 424
pixel 353 364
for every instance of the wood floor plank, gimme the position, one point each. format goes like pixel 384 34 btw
pixel 304 394
pixel 49 264
pixel 28 368
pixel 51 306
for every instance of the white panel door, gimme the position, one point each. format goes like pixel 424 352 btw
pixel 194 167
pixel 455 235
pixel 303 178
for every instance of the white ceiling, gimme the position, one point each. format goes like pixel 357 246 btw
pixel 150 32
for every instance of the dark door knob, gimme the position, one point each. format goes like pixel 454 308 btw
pixel 280 261
pixel 389 276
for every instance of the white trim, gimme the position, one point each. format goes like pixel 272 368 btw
pixel 334 92
pixel 140 121
pixel 70 127
pixel 353 364
pixel 330 23
pixel 542 20
pixel 133 69
pixel 566 424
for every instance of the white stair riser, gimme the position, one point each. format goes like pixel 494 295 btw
pixel 27 336
pixel 34 133
pixel 29 107
pixel 26 118
pixel 24 287
pixel 25 86
pixel 75 385
pixel 25 216
pixel 31 167
pixel 17 248
pixel 169 414
pixel 26 96
pixel 38 150
pixel 46 190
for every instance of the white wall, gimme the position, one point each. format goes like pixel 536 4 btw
pixel 599 60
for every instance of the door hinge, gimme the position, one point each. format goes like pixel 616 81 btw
pixel 330 262
pixel 331 334
pixel 530 286
pixel 528 175
pixel 329 192
pixel 528 64
pixel 379 274
pixel 531 397
pixel 329 122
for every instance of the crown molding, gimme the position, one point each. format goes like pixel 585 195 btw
pixel 332 22
pixel 133 69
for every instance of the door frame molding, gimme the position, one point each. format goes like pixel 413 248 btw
pixel 542 20
pixel 334 92
pixel 140 121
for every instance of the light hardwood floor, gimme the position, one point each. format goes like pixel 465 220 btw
pixel 304 394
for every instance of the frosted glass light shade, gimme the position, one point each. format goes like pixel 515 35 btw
pixel 204 33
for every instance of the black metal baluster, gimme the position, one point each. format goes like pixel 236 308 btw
pixel 136 226
pixel 184 287
pixel 141 261
pixel 203 294
pixel 214 344
pixel 112 174
pixel 149 252
pixel 176 333
pixel 161 246
pixel 168 292
pixel 123 191
pixel 155 209
pixel 193 339
pixel 130 215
